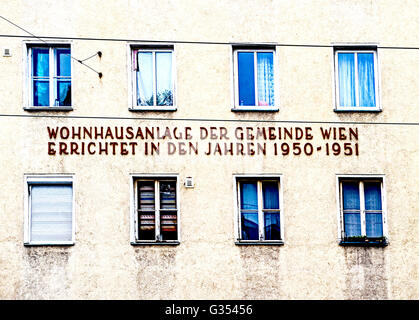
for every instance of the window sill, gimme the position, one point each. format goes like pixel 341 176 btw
pixel 371 109
pixel 258 243
pixel 254 109
pixel 153 109
pixel 361 243
pixel 39 244
pixel 153 243
pixel 64 109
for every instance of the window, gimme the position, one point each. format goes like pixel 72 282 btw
pixel 155 213
pixel 254 78
pixel 49 70
pixel 362 213
pixel 49 210
pixel 356 80
pixel 259 210
pixel 153 78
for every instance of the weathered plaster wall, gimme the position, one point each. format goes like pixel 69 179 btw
pixel 207 264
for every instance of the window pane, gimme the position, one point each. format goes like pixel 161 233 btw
pixel 249 196
pixel 265 69
pixel 40 62
pixel 167 195
pixel 51 212
pixel 350 195
pixel 168 225
pixel 249 218
pixel 366 79
pixel 41 93
pixel 63 62
pixel 246 75
pixel 352 220
pixel 145 79
pixel 146 217
pixel 146 195
pixel 250 226
pixel 63 93
pixel 352 224
pixel 164 78
pixel 146 226
pixel 272 226
pixel 372 192
pixel 374 220
pixel 346 71
pixel 374 225
pixel 270 195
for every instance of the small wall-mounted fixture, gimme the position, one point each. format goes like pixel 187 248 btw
pixel 189 182
pixel 6 53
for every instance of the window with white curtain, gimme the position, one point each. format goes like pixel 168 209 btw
pixel 356 80
pixel 49 76
pixel 49 210
pixel 155 210
pixel 254 79
pixel 362 210
pixel 153 78
pixel 259 208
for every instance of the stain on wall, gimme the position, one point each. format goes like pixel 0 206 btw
pixel 156 275
pixel 46 273
pixel 365 274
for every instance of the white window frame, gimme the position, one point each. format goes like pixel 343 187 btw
pixel 339 196
pixel 45 179
pixel 237 106
pixel 261 222
pixel 355 51
pixel 28 83
pixel 132 50
pixel 134 204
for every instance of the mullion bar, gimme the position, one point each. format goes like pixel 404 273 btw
pixel 256 77
pixel 157 209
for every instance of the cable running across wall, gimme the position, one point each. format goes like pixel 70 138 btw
pixel 39 38
pixel 209 120
pixel 186 42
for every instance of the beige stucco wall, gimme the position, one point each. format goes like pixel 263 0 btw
pixel 207 264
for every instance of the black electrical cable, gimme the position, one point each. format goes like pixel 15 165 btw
pixel 210 120
pixel 39 38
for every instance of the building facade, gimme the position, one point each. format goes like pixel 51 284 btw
pixel 209 150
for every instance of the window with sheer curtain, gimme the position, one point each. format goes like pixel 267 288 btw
pixel 356 80
pixel 153 78
pixel 259 209
pixel 49 70
pixel 156 210
pixel 254 79
pixel 362 209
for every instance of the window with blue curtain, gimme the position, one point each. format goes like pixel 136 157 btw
pixel 249 211
pixel 154 79
pixel 356 79
pixel 270 193
pixel 351 209
pixel 50 76
pixel 259 208
pixel 369 210
pixel 373 209
pixel 255 78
